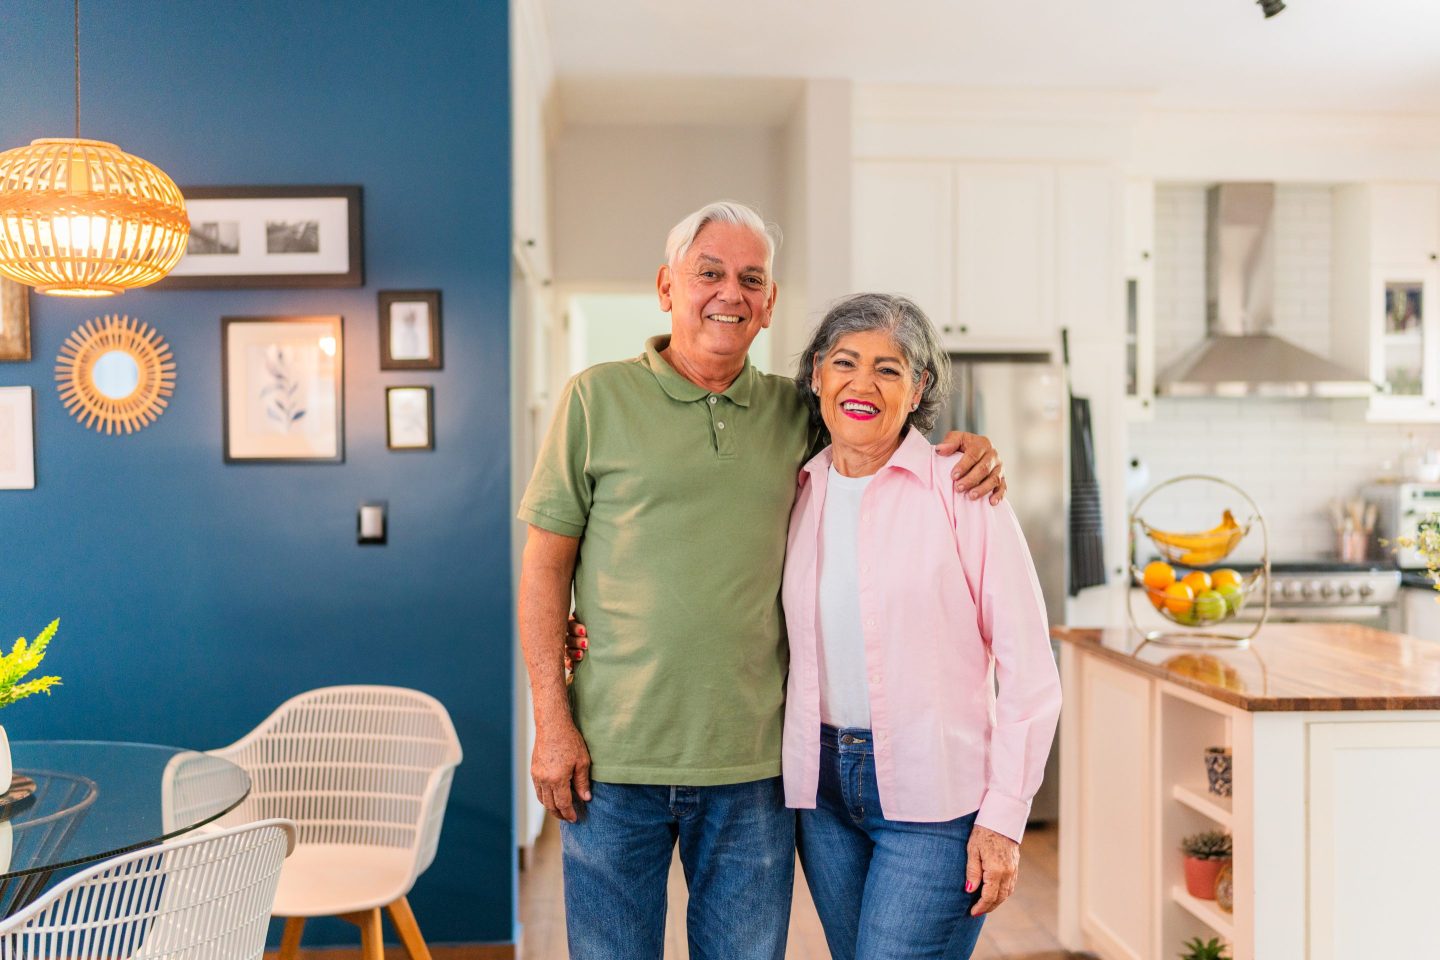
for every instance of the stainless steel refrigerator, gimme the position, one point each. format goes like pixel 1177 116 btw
pixel 1020 402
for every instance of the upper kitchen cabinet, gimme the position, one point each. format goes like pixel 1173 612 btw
pixel 1386 279
pixel 1139 307
pixel 991 251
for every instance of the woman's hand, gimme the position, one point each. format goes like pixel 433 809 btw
pixel 992 864
pixel 575 646
pixel 979 471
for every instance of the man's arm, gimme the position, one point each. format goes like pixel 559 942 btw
pixel 560 762
pixel 979 470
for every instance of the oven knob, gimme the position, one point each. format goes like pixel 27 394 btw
pixel 1366 590
pixel 1289 588
pixel 1326 590
pixel 1346 589
pixel 1308 590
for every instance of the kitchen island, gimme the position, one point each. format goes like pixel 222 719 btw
pixel 1335 806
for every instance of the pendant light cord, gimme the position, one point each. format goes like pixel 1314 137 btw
pixel 77 69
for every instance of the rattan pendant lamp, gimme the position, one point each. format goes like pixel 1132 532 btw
pixel 83 218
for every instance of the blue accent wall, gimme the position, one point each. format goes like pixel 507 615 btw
pixel 196 596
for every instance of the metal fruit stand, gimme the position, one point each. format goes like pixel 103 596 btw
pixel 1212 547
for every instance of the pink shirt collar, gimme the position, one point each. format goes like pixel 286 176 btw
pixel 915 454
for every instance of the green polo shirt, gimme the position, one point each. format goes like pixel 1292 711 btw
pixel 681 499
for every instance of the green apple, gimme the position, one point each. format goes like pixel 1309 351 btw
pixel 1234 596
pixel 1210 605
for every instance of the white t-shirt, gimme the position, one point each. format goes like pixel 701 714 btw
pixel 844 696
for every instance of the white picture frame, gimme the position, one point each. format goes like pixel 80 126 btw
pixel 283 383
pixel 17 438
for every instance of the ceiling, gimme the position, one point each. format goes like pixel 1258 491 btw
pixel 1345 55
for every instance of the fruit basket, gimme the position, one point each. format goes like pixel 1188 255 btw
pixel 1188 587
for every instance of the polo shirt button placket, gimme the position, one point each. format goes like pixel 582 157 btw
pixel 714 400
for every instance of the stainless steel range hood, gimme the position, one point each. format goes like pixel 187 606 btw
pixel 1240 357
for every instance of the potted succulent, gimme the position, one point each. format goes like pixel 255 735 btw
pixel 1205 853
pixel 1197 949
pixel 23 657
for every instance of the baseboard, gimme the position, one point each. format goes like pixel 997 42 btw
pixel 475 951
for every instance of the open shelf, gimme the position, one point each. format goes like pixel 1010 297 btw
pixel 1204 802
pixel 1205 911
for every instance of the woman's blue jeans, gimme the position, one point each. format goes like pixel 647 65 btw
pixel 884 889
pixel 737 845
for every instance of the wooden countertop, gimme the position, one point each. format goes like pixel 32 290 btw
pixel 1289 666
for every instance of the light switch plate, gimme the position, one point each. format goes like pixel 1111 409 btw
pixel 370 524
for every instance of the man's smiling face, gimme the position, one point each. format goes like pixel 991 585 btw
pixel 720 296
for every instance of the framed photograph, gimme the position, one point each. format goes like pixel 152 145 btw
pixel 1404 306
pixel 271 237
pixel 17 438
pixel 14 320
pixel 410 330
pixel 283 383
pixel 409 418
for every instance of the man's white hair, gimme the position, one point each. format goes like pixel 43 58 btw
pixel 683 234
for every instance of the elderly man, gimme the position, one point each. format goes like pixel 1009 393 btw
pixel 662 495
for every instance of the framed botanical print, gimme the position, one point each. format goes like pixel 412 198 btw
pixel 283 383
pixel 14 320
pixel 409 418
pixel 410 330
pixel 17 438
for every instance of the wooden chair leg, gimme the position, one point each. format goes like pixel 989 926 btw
pixel 404 919
pixel 290 940
pixel 372 938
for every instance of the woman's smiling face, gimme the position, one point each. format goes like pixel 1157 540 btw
pixel 866 389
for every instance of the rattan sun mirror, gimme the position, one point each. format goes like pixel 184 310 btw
pixel 115 374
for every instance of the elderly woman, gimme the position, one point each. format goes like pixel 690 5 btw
pixel 913 777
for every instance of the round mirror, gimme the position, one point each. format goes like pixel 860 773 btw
pixel 116 374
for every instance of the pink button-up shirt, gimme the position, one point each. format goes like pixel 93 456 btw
pixel 946 588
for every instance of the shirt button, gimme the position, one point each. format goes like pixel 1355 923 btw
pixel 720 424
pixel 870 622
pixel 865 517
pixel 714 400
pixel 864 568
pixel 875 678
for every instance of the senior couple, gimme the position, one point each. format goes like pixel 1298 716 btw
pixel 662 497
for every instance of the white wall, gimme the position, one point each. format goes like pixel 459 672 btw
pixel 618 189
pixel 1292 456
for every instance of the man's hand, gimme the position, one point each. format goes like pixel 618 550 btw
pixel 993 864
pixel 979 470
pixel 560 769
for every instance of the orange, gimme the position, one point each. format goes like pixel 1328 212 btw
pixel 1225 577
pixel 1179 598
pixel 1198 580
pixel 1158 575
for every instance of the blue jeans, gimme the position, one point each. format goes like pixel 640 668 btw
pixel 884 889
pixel 737 845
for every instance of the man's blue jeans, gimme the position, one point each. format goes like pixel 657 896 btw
pixel 737 845
pixel 884 889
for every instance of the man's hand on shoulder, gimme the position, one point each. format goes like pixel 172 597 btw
pixel 560 767
pixel 979 471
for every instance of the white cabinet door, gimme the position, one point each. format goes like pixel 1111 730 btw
pixel 903 235
pixel 1422 613
pixel 1117 788
pixel 1004 253
pixel 1374 839
pixel 1406 222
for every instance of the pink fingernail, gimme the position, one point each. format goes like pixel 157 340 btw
pixel 969 887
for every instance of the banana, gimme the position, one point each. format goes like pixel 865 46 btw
pixel 1199 549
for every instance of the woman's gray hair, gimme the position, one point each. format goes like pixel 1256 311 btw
pixel 677 244
pixel 912 332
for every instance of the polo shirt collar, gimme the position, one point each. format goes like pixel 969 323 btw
pixel 678 388
pixel 913 455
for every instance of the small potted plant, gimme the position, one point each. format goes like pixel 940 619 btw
pixel 22 658
pixel 1205 853
pixel 1197 949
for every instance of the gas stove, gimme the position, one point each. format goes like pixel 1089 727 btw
pixel 1324 590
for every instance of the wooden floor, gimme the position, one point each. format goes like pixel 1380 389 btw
pixel 1022 929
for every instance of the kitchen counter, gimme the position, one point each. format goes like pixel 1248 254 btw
pixel 1334 735
pixel 1289 666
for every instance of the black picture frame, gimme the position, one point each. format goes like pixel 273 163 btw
pixel 407 443
pixel 391 301
pixel 239 235
pixel 240 384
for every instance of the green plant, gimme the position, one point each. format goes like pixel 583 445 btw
pixel 22 658
pixel 1197 949
pixel 1209 845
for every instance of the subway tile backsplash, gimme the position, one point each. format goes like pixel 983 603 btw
pixel 1291 456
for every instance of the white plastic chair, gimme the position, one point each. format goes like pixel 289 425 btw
pixel 200 897
pixel 364 771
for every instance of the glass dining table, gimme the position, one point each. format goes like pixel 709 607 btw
pixel 95 799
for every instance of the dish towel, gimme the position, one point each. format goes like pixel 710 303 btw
pixel 1087 533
